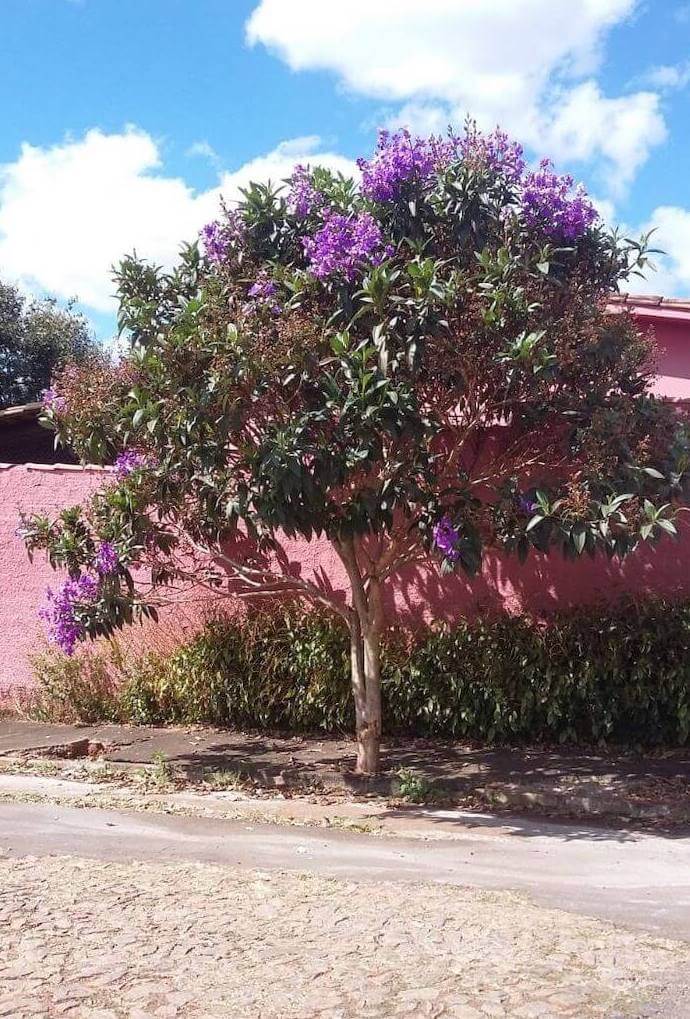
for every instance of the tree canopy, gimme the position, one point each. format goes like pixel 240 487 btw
pixel 36 339
pixel 418 365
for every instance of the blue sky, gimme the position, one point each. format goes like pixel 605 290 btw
pixel 123 120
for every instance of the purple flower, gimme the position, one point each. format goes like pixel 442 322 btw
pixel 399 159
pixel 130 460
pixel 495 152
pixel 262 294
pixel 51 401
pixel 107 560
pixel 527 505
pixel 446 538
pixel 342 244
pixel 217 238
pixel 550 204
pixel 263 288
pixel 214 241
pixel 66 608
pixel 303 197
pixel 387 251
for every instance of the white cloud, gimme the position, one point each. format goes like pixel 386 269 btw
pixel 579 124
pixel 203 150
pixel 621 131
pixel 671 225
pixel 277 165
pixel 606 209
pixel 443 49
pixel 526 64
pixel 668 76
pixel 69 212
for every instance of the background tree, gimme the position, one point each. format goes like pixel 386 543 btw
pixel 417 367
pixel 35 339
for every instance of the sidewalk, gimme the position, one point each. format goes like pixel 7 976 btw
pixel 566 782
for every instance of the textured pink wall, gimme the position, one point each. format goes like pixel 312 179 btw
pixel 540 586
pixel 47 489
pixel 673 340
pixel 22 585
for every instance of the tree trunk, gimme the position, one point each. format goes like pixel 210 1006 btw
pixel 365 622
pixel 366 690
pixel 359 689
pixel 369 749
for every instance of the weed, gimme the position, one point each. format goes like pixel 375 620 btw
pixel 223 779
pixel 162 772
pixel 415 788
pixel 349 824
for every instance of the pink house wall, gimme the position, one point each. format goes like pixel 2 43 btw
pixel 22 585
pixel 540 586
pixel 672 333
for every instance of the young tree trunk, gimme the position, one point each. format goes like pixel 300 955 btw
pixel 369 744
pixel 366 623
pixel 366 690
pixel 359 689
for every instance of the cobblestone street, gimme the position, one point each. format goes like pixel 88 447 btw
pixel 96 940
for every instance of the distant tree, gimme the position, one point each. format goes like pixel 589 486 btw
pixel 36 338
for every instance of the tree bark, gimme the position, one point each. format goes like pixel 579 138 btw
pixel 369 743
pixel 366 690
pixel 358 681
pixel 366 623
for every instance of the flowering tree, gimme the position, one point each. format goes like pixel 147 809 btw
pixel 418 367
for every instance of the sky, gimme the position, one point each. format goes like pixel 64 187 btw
pixel 124 121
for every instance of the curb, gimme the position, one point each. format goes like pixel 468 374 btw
pixel 590 801
pixel 600 804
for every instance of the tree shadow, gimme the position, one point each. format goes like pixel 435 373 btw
pixel 459 772
pixel 542 586
pixel 529 825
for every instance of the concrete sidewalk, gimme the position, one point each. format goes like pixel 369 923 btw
pixel 559 781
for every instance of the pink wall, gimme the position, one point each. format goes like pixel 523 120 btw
pixel 22 585
pixel 42 488
pixel 540 586
pixel 672 333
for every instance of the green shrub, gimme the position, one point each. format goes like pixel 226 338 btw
pixel 286 670
pixel 80 689
pixel 620 675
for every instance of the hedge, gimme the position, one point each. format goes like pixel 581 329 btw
pixel 618 675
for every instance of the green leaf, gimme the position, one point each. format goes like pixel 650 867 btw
pixel 668 526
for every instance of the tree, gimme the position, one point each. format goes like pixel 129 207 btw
pixel 35 339
pixel 418 367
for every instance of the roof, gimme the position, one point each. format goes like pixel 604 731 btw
pixel 652 306
pixel 22 412
pixel 23 441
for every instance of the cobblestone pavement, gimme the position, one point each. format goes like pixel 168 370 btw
pixel 93 940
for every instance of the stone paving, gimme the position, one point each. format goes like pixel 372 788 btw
pixel 93 940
